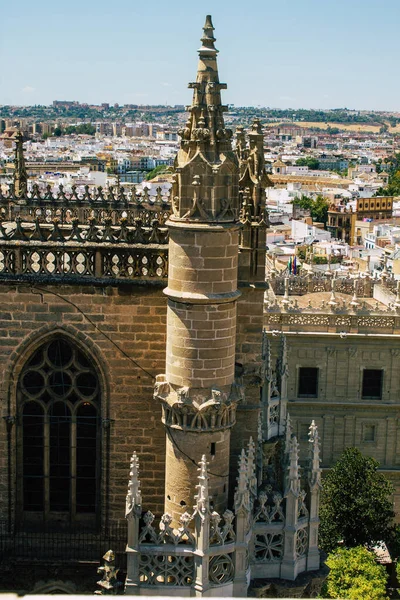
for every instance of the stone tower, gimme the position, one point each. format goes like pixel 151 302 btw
pixel 198 391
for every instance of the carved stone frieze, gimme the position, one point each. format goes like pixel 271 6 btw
pixel 197 410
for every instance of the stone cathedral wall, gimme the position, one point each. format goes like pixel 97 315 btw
pixel 134 317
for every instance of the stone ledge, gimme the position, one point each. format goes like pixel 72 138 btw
pixel 196 298
pixel 175 223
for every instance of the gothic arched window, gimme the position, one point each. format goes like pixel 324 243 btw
pixel 59 442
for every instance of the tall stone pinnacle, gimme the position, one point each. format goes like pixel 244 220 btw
pixel 198 392
pixel 20 174
pixel 206 181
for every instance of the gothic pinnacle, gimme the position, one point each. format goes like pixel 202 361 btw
pixel 20 175
pixel 208 38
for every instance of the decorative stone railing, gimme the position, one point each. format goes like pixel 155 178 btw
pixel 100 204
pixel 300 285
pixel 91 195
pixel 269 534
pixel 343 323
pixel 207 550
pixel 168 557
pixel 75 264
pixel 83 252
pixel 83 233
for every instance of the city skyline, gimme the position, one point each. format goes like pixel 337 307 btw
pixel 294 55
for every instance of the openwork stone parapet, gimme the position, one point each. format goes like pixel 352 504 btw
pixel 197 410
pixel 341 323
pixel 105 231
pixel 75 262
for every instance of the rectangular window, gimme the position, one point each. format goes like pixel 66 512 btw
pixel 308 382
pixel 369 433
pixel 372 384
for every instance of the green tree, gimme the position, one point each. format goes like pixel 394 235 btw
pixel 308 161
pixel 356 505
pixel 354 574
pixel 318 207
pixel 86 128
pixel 157 171
pixel 319 211
pixel 58 131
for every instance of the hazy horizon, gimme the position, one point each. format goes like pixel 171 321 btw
pixel 286 55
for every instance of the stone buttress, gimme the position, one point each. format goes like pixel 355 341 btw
pixel 198 392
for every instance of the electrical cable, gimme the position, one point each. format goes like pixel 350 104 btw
pixel 47 291
pixel 191 459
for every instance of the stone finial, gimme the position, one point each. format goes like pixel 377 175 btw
pixel 251 466
pixel 293 470
pixel 282 363
pixel 109 584
pixel 286 300
pixel 208 38
pixel 206 150
pixel 134 496
pixel 396 304
pixel 288 434
pixel 266 371
pixel 315 468
pixel 202 498
pixel 242 497
pixel 259 455
pixel 332 302
pixel 20 174
pixel 354 301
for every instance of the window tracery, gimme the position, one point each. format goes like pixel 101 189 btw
pixel 59 408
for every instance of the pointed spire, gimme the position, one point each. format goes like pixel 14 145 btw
pixel 242 496
pixel 282 363
pixel 293 471
pixel 208 39
pixel 206 149
pixel 285 300
pixel 251 466
pixel 354 301
pixel 20 174
pixel 332 302
pixel 315 468
pixel 202 506
pixel 266 357
pixel 396 304
pixel 206 126
pixel 288 434
pixel 260 455
pixel 134 496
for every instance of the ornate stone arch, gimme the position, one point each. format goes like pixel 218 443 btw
pixel 39 337
pixel 84 344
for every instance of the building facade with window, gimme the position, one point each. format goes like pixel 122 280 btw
pixel 343 345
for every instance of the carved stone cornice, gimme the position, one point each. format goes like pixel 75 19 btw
pixel 195 410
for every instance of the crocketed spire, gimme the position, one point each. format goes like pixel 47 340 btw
pixel 207 174
pixel 20 174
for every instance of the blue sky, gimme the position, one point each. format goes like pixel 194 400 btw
pixel 280 53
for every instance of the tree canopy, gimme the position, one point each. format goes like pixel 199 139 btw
pixel 308 161
pixel 356 505
pixel 393 187
pixel 86 128
pixel 157 171
pixel 355 574
pixel 318 207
